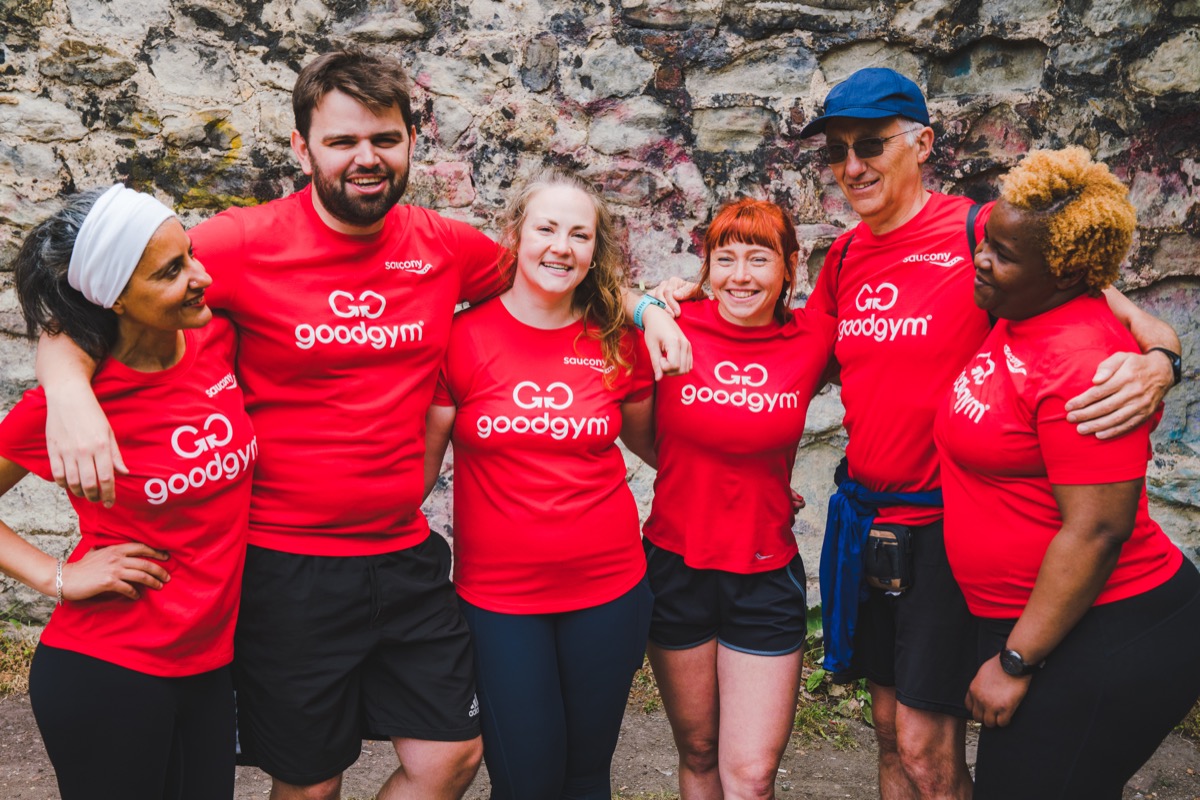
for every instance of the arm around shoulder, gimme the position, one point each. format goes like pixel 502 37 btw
pixel 84 455
pixel 1127 387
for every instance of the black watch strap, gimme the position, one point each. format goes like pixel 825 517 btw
pixel 1176 363
pixel 1013 664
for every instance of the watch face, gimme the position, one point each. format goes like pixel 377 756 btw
pixel 1012 663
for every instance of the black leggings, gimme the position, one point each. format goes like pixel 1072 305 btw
pixel 117 734
pixel 1120 681
pixel 553 689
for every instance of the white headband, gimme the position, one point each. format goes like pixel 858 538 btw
pixel 110 242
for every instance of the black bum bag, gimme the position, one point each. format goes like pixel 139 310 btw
pixel 888 558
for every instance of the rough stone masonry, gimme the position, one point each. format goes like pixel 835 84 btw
pixel 673 106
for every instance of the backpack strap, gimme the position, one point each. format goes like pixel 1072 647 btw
pixel 972 212
pixel 846 247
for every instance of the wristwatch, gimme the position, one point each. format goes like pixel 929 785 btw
pixel 642 305
pixel 1013 664
pixel 1176 363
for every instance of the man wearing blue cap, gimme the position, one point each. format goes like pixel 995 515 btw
pixel 901 287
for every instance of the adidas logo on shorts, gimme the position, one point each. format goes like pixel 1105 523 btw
pixel 474 710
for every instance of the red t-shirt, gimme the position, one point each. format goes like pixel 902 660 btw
pixel 341 340
pixel 543 519
pixel 1004 439
pixel 726 436
pixel 191 451
pixel 907 322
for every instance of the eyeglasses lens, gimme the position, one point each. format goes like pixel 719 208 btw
pixel 837 152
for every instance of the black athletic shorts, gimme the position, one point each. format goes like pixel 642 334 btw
pixel 332 650
pixel 923 641
pixel 761 614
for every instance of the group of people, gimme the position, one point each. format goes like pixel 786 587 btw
pixel 278 452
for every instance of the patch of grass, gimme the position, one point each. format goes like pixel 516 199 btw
pixel 1190 727
pixel 644 693
pixel 17 643
pixel 825 706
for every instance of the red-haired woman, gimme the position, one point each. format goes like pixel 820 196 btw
pixel 729 615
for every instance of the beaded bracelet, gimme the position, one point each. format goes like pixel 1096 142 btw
pixel 58 582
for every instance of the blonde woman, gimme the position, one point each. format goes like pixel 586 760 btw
pixel 537 386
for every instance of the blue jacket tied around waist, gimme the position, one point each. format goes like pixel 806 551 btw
pixel 852 511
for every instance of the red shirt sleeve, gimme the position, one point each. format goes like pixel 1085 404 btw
pixel 1072 458
pixel 641 384
pixel 481 277
pixel 219 244
pixel 824 295
pixel 441 393
pixel 23 434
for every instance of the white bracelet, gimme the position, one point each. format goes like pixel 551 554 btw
pixel 58 582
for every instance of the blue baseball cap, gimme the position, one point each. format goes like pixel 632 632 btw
pixel 871 93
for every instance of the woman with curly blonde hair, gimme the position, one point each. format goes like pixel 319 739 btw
pixel 1047 531
pixel 536 386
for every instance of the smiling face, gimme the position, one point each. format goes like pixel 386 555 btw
pixel 746 281
pixel 358 160
pixel 1012 278
pixel 557 240
pixel 166 290
pixel 885 190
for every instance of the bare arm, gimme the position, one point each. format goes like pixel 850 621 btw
pixel 637 429
pixel 1128 387
pixel 439 422
pixel 1097 521
pixel 84 455
pixel 120 568
pixel 670 351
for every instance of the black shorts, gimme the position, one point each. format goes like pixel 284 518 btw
pixel 763 614
pixel 332 650
pixel 923 642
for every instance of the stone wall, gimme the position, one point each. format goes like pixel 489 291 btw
pixel 673 106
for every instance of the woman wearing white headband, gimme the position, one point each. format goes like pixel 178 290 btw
pixel 130 684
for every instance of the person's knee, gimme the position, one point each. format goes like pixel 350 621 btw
pixel 889 744
pixel 698 753
pixel 931 753
pixel 325 790
pixel 750 777
pixel 462 762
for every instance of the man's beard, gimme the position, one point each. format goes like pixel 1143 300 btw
pixel 358 210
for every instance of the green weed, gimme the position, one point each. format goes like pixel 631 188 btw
pixel 17 643
pixel 1190 727
pixel 644 693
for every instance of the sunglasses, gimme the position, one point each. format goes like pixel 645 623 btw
pixel 836 152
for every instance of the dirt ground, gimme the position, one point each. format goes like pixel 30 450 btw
pixel 644 766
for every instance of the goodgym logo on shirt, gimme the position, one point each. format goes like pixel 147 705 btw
pixel 876 325
pixel 746 378
pixel 965 401
pixel 191 442
pixel 364 307
pixel 529 396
